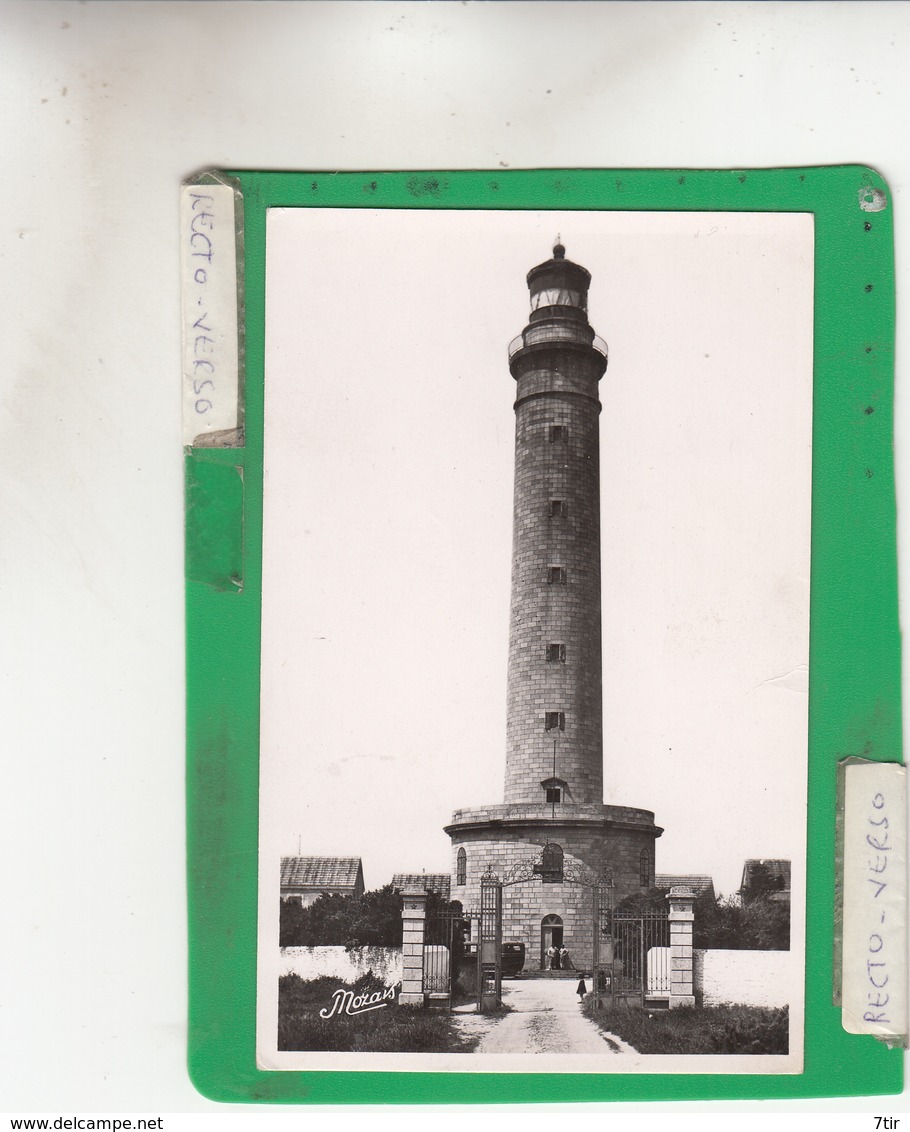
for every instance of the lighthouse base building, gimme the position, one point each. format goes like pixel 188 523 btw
pixel 552 906
pixel 553 841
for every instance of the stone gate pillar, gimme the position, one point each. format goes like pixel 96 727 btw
pixel 413 915
pixel 682 988
pixel 681 918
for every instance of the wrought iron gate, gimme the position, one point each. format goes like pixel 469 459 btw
pixel 602 964
pixel 489 944
pixel 444 947
pixel 462 951
pixel 631 952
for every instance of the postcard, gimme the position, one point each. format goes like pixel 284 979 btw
pixel 535 640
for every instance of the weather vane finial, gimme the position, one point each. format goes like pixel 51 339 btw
pixel 558 250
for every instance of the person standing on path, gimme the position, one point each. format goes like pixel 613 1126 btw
pixel 581 990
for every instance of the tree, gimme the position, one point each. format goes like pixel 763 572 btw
pixel 763 925
pixel 724 924
pixel 370 920
pixel 655 900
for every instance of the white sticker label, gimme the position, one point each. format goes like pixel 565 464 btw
pixel 209 279
pixel 874 987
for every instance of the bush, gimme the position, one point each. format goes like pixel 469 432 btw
pixel 392 1029
pixel 373 919
pixel 725 924
pixel 698 1030
pixel 763 925
pixel 370 920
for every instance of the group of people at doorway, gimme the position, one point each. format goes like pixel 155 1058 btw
pixel 558 959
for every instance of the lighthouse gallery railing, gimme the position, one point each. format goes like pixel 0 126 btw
pixel 534 336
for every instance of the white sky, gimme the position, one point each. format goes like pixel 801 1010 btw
pixel 389 453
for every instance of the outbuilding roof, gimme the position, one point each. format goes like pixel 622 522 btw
pixel 321 872
pixel 769 868
pixel 700 882
pixel 440 883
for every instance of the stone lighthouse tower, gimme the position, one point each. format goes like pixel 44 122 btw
pixel 554 832
pixel 554 747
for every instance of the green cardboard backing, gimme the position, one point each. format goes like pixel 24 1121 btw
pixel 854 685
pixel 214 524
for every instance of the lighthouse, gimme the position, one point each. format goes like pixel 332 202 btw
pixel 554 730
pixel 553 831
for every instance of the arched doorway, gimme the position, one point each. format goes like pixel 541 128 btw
pixel 550 936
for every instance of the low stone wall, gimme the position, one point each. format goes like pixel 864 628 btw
pixel 752 978
pixel 337 963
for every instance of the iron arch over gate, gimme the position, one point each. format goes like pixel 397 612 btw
pixel 604 923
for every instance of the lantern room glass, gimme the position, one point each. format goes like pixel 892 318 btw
pixel 557 297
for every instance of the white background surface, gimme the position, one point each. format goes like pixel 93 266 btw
pixel 104 107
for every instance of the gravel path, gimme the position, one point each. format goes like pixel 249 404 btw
pixel 545 1017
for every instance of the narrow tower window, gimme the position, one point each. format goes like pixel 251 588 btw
pixel 556 653
pixel 559 433
pixel 644 869
pixel 557 508
pixel 557 575
pixel 461 867
pixel 554 721
pixel 554 794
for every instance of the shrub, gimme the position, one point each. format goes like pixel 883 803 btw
pixel 725 924
pixel 763 925
pixel 392 1029
pixel 698 1030
pixel 370 920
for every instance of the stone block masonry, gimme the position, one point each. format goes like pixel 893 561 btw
pixel 682 988
pixel 596 838
pixel 413 915
pixel 550 608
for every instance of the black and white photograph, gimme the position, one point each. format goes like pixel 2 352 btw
pixel 535 640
